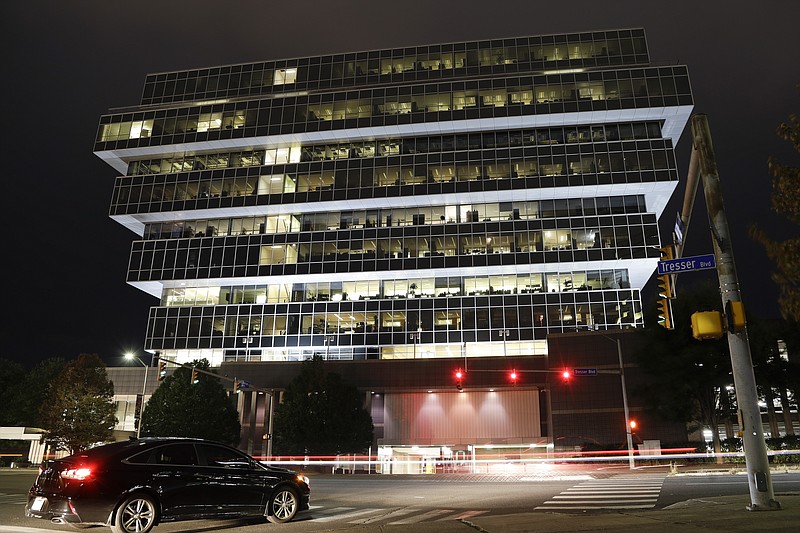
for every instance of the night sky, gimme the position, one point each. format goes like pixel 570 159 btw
pixel 67 63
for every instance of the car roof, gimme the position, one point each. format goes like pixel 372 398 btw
pixel 105 451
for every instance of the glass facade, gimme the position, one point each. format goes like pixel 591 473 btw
pixel 454 200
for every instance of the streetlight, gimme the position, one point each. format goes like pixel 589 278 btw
pixel 328 340
pixel 133 356
pixel 504 333
pixel 415 337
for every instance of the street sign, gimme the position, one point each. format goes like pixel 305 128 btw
pixel 584 371
pixel 686 264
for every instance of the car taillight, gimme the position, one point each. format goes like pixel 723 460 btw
pixel 76 473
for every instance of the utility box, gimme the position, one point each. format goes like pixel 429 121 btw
pixel 707 325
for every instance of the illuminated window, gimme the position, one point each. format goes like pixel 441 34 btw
pixel 285 75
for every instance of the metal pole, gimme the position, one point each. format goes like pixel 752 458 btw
pixel 631 462
pixel 271 413
pixel 144 388
pixel 762 496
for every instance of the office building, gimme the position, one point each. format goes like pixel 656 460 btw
pixel 451 204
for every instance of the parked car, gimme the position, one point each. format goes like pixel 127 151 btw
pixel 134 485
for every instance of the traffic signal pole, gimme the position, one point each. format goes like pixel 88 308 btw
pixel 762 496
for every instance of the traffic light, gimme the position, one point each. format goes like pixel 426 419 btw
pixel 665 313
pixel 513 376
pixel 566 375
pixel 665 286
pixel 162 370
pixel 665 292
pixel 633 424
pixel 459 375
pixel 237 386
pixel 707 325
pixel 195 376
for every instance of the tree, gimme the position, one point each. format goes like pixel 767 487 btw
pixel 688 379
pixel 79 407
pixel 786 201
pixel 22 393
pixel 321 415
pixel 773 372
pixel 180 408
pixel 12 375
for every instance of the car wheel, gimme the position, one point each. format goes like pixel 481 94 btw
pixel 137 514
pixel 282 506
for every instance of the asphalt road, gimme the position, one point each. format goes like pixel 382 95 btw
pixel 341 503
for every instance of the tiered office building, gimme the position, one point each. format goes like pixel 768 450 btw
pixel 457 200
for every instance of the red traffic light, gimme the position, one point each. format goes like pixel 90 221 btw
pixel 513 376
pixel 459 375
pixel 633 424
pixel 566 374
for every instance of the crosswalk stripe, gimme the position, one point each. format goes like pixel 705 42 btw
pixel 420 518
pixel 374 515
pixel 382 517
pixel 601 497
pixel 607 494
pixel 343 516
pixel 590 507
pixel 643 492
pixel 462 516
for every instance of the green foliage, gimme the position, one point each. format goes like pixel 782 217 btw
pixel 321 415
pixel 79 407
pixel 22 393
pixel 179 408
pixel 12 375
pixel 786 201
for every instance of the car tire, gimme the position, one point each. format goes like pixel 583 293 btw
pixel 136 514
pixel 283 505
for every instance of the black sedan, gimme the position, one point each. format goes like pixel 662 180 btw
pixel 132 486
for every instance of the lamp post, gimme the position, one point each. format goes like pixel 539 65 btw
pixel 504 333
pixel 135 357
pixel 328 340
pixel 415 337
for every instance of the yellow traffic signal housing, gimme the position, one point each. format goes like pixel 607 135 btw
pixel 195 376
pixel 707 325
pixel 734 314
pixel 665 286
pixel 665 313
pixel 162 370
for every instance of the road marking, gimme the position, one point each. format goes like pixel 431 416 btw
pixel 13 499
pixel 382 517
pixel 22 529
pixel 358 516
pixel 617 493
pixel 334 514
pixel 462 516
pixel 420 518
